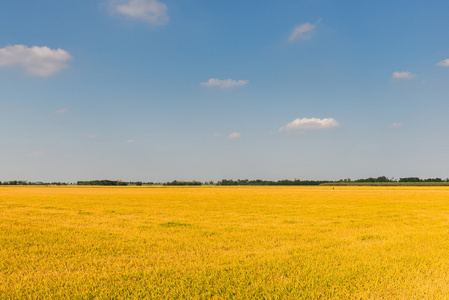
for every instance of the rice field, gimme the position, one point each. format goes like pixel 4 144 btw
pixel 224 242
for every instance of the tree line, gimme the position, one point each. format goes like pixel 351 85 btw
pixel 24 182
pixel 404 179
pixel 270 182
pixel 106 182
pixel 181 183
pixel 231 182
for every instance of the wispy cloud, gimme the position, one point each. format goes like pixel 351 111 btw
pixel 224 83
pixel 403 75
pixel 35 154
pixel 36 61
pixel 92 136
pixel 129 141
pixel 150 11
pixel 234 135
pixel 312 123
pixel 216 134
pixel 302 32
pixel 397 124
pixel 61 111
pixel 443 63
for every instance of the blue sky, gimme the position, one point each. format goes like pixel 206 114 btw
pixel 159 90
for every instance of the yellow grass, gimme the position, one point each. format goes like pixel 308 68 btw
pixel 224 243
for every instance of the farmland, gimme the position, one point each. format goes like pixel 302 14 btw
pixel 347 242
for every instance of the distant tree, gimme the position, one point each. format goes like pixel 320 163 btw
pixel 433 180
pixel 409 179
pixel 268 182
pixel 98 182
pixel 378 179
pixel 182 183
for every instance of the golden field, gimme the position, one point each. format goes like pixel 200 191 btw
pixel 224 242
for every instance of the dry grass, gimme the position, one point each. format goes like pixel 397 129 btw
pixel 224 242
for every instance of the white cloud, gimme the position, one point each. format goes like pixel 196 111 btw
pixel 61 111
pixel 312 123
pixel 151 11
pixel 302 32
pixel 35 154
pixel 225 83
pixel 37 61
pixel 443 63
pixel 234 135
pixel 397 125
pixel 129 141
pixel 403 75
